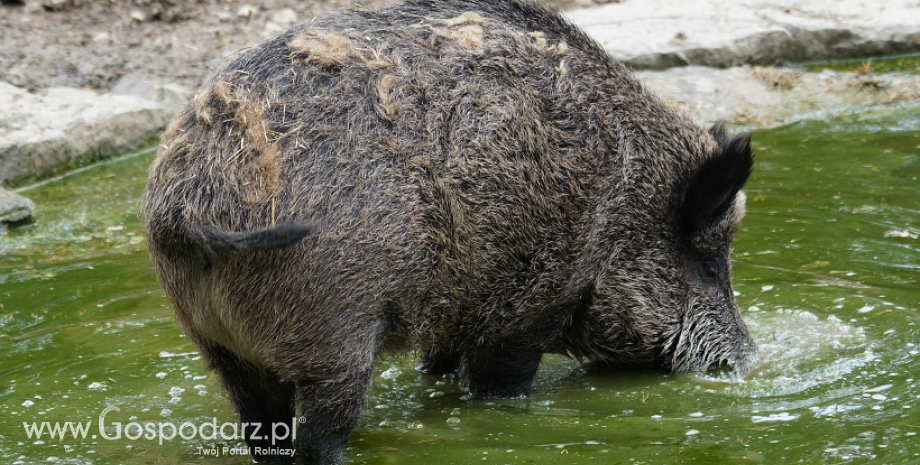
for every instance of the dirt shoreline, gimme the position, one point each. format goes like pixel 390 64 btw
pixel 93 43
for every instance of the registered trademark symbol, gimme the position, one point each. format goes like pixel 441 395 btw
pixel 302 420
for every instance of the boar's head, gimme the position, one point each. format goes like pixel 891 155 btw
pixel 665 296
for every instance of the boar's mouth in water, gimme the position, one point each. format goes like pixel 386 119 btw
pixel 475 179
pixel 705 342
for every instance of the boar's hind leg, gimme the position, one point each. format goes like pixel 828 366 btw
pixel 502 372
pixel 330 403
pixel 265 404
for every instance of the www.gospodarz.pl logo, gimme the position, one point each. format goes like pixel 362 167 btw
pixel 167 431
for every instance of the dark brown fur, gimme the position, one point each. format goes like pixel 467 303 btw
pixel 473 178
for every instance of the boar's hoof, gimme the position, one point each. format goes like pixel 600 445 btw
pixel 435 362
pixel 328 450
pixel 502 375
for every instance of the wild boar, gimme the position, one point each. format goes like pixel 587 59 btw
pixel 473 179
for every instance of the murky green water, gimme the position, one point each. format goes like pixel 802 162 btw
pixel 909 64
pixel 827 267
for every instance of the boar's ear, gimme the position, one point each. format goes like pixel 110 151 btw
pixel 713 187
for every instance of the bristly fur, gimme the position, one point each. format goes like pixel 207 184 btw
pixel 476 179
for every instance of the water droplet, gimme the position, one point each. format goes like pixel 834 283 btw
pixel 881 388
pixel 782 416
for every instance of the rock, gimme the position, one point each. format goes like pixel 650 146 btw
pixel 247 11
pixel 280 21
pixel 284 17
pixel 14 209
pixel 172 97
pixel 765 97
pixel 41 133
pixel 60 5
pixel 18 76
pixel 658 34
pixel 101 37
pixel 138 16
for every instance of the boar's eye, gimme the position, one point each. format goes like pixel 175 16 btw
pixel 713 270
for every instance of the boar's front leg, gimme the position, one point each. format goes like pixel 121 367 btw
pixel 502 370
pixel 265 404
pixel 439 361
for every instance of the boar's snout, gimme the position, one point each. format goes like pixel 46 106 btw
pixel 711 341
pixel 740 365
pixel 735 359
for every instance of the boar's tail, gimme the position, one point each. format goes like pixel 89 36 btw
pixel 269 238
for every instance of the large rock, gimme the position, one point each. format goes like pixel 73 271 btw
pixel 764 97
pixel 59 127
pixel 658 34
pixel 14 209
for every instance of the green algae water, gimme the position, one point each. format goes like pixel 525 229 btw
pixel 908 64
pixel 827 272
